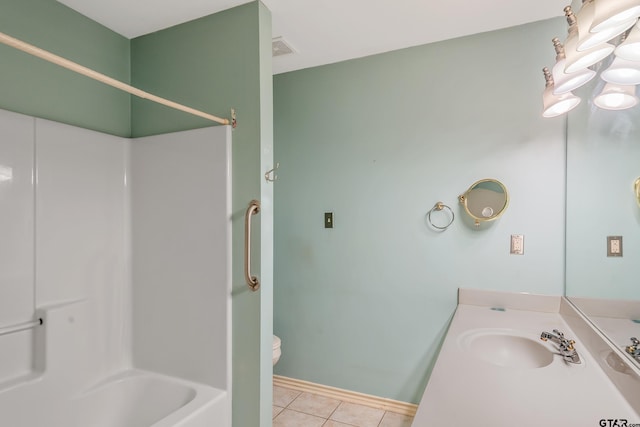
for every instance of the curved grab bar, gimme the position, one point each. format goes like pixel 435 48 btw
pixel 252 281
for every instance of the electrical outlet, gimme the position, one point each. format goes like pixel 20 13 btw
pixel 517 244
pixel 614 246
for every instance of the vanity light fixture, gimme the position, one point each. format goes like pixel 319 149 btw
pixel 602 30
pixel 556 105
pixel 622 72
pixel 616 97
pixel 587 38
pixel 580 59
pixel 610 13
pixel 630 47
pixel 566 82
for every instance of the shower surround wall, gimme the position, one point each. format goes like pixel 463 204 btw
pixel 17 276
pixel 70 245
pixel 181 229
pixel 66 193
pixel 81 235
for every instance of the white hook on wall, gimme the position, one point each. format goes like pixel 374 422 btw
pixel 270 175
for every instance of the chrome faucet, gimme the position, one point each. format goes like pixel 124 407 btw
pixel 634 348
pixel 567 350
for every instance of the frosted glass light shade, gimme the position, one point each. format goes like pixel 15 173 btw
pixel 584 20
pixel 610 13
pixel 556 105
pixel 587 39
pixel 630 48
pixel 622 72
pixel 585 15
pixel 616 97
pixel 578 60
pixel 566 82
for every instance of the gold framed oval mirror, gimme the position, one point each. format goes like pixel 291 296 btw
pixel 636 189
pixel 485 200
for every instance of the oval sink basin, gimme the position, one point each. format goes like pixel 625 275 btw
pixel 507 349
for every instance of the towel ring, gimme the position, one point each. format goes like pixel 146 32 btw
pixel 438 207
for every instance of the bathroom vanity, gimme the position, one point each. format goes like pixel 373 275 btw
pixel 494 370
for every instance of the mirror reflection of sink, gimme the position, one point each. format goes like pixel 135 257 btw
pixel 615 362
pixel 506 348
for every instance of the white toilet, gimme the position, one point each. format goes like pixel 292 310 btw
pixel 276 349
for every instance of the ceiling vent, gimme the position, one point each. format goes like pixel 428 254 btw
pixel 280 47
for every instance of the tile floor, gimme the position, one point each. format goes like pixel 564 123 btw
pixel 292 408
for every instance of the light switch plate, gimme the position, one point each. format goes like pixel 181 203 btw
pixel 328 220
pixel 517 244
pixel 614 246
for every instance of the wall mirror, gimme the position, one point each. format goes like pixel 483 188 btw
pixel 602 169
pixel 485 200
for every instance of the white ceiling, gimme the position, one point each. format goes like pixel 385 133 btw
pixel 327 31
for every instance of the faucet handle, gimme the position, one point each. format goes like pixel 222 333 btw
pixel 634 348
pixel 555 336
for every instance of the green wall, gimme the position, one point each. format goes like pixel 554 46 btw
pixel 209 64
pixel 378 141
pixel 32 86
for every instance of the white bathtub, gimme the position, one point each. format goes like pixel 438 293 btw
pixel 142 399
pixel 131 399
pixel 68 389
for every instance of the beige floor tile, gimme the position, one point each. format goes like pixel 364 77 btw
pixel 391 419
pixel 289 418
pixel 332 423
pixel 315 405
pixel 276 411
pixel 358 415
pixel 283 396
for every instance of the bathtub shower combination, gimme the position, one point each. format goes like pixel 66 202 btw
pixel 115 277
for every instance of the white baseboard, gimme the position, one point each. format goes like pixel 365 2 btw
pixel 347 396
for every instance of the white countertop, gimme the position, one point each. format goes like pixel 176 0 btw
pixel 464 389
